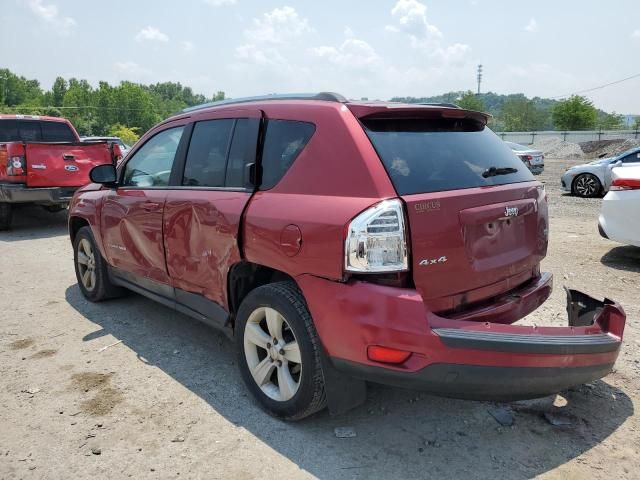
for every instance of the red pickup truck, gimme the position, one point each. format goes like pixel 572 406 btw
pixel 43 161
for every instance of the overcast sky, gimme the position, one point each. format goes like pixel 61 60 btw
pixel 375 49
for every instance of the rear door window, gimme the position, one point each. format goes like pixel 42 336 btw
pixel 242 151
pixel 206 161
pixel 284 140
pixel 29 131
pixel 9 131
pixel 57 132
pixel 432 155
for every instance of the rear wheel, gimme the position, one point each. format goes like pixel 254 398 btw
pixel 5 216
pixel 91 269
pixel 279 351
pixel 586 185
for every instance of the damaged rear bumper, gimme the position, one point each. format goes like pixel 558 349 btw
pixel 480 360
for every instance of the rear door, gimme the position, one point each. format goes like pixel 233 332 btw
pixel 132 213
pixel 477 219
pixel 205 204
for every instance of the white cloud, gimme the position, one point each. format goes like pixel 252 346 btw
pixel 152 34
pixel 532 26
pixel 220 3
pixel 635 33
pixel 271 35
pixel 353 53
pixel 50 14
pixel 410 18
pixel 188 46
pixel 277 26
pixel 131 68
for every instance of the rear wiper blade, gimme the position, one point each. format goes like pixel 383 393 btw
pixel 493 171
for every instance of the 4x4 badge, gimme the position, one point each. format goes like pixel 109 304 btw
pixel 432 261
pixel 511 211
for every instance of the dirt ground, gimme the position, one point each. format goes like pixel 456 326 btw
pixel 168 402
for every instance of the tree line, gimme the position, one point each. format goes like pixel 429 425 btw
pixel 517 113
pixel 126 110
pixel 129 109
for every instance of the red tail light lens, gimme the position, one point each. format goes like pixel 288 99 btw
pixel 625 184
pixel 526 157
pixel 386 354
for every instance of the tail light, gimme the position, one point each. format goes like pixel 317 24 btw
pixel 625 184
pixel 376 240
pixel 16 165
pixel 526 157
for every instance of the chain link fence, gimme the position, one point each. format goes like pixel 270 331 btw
pixel 527 138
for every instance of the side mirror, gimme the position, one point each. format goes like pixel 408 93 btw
pixel 104 174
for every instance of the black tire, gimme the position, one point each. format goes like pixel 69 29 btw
pixel 102 289
pixel 586 185
pixel 287 300
pixel 54 208
pixel 6 214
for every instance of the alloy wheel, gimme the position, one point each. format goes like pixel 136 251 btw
pixel 586 186
pixel 272 354
pixel 86 264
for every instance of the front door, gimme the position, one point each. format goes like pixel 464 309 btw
pixel 203 214
pixel 132 213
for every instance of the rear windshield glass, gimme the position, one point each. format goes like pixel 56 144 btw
pixel 432 155
pixel 35 131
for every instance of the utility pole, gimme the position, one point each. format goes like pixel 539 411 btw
pixel 479 77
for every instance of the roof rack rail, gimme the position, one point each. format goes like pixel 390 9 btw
pixel 326 96
pixel 441 104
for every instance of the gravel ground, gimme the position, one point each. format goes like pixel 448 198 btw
pixel 167 401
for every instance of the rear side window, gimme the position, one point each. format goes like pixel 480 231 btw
pixel 284 140
pixel 9 131
pixel 432 155
pixel 56 132
pixel 207 157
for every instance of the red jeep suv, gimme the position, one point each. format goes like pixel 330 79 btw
pixel 341 242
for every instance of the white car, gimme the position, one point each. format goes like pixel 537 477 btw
pixel 620 214
pixel 593 179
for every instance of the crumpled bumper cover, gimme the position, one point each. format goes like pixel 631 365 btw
pixel 476 360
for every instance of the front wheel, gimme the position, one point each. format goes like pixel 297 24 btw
pixel 279 351
pixel 586 185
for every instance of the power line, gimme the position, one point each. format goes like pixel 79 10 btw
pixel 598 88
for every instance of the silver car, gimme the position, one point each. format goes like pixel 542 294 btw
pixel 594 178
pixel 533 159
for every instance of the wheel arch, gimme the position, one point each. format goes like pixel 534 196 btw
pixel 245 276
pixel 75 224
pixel 597 175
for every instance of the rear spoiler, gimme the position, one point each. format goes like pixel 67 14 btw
pixel 406 110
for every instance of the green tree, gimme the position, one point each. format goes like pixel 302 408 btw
pixel 519 114
pixel 127 134
pixel 575 113
pixel 58 90
pixel 636 123
pixel 610 121
pixel 470 101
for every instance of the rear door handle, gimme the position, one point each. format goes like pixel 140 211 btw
pixel 68 156
pixel 151 206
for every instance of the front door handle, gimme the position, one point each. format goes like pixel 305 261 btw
pixel 151 206
pixel 68 156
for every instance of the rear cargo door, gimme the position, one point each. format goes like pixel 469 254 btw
pixel 63 164
pixel 477 219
